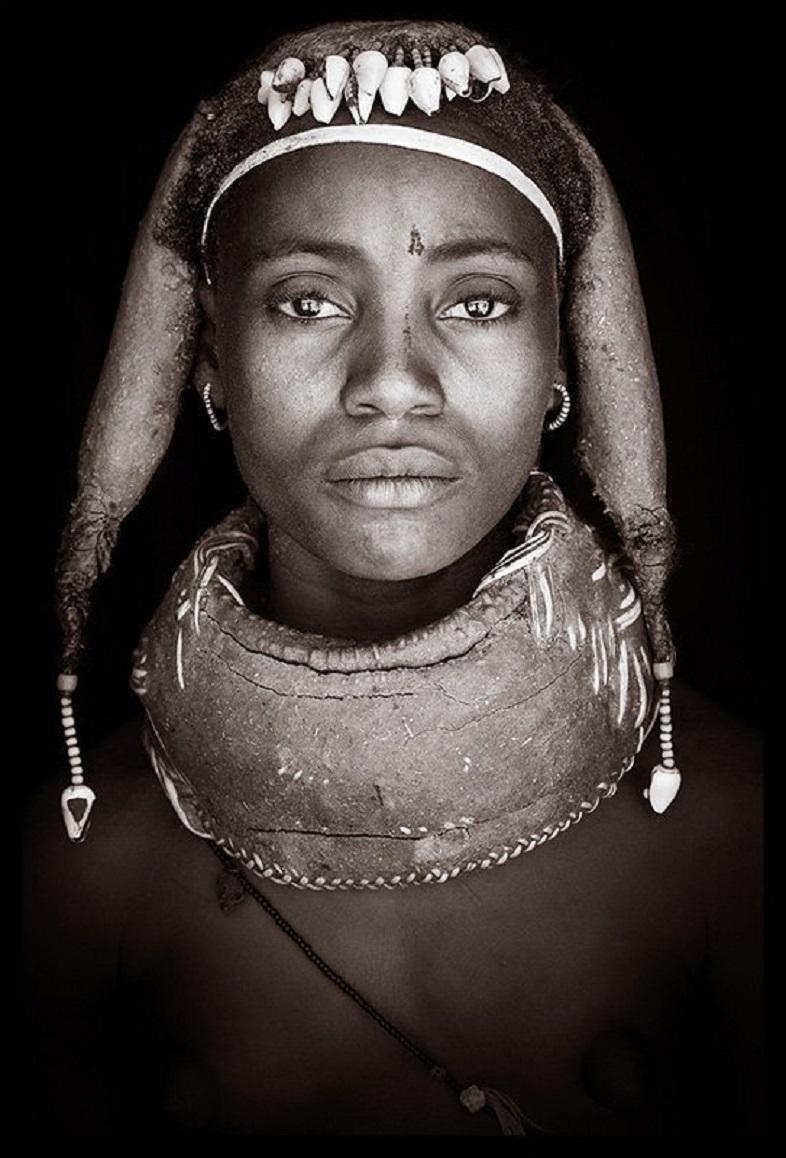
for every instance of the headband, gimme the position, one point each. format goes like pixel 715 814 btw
pixel 403 137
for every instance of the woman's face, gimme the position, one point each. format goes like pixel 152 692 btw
pixel 386 337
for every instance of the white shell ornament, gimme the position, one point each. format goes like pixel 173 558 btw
pixel 336 73
pixel 370 68
pixel 279 108
pixel 503 84
pixel 302 100
pixel 265 82
pixel 76 803
pixel 287 91
pixel 482 64
pixel 664 786
pixel 454 70
pixel 289 75
pixel 394 90
pixel 425 88
pixel 323 105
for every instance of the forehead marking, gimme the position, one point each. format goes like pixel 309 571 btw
pixel 416 245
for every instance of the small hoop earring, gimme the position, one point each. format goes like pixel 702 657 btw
pixel 564 409
pixel 215 421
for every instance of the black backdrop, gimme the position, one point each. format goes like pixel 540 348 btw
pixel 105 97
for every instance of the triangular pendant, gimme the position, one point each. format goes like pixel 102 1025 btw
pixel 664 786
pixel 76 803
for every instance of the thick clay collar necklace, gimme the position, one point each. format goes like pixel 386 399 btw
pixel 329 765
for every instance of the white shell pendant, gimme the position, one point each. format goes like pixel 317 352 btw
pixel 425 88
pixel 279 108
pixel 394 90
pixel 454 70
pixel 336 73
pixel 289 75
pixel 370 68
pixel 503 84
pixel 76 803
pixel 664 786
pixel 482 64
pixel 323 106
pixel 302 102
pixel 265 83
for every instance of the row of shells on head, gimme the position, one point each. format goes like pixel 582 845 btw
pixel 358 78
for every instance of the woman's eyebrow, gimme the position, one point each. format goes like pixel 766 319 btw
pixel 344 251
pixel 310 247
pixel 476 247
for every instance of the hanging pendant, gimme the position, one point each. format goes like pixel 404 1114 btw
pixel 665 779
pixel 76 803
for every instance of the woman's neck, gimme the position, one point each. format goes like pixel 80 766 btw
pixel 307 594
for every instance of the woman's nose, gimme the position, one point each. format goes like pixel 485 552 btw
pixel 392 372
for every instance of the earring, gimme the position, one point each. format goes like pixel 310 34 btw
pixel 564 409
pixel 215 421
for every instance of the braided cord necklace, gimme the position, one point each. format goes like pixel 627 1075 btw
pixel 473 1098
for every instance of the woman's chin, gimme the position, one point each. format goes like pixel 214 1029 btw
pixel 397 562
pixel 402 550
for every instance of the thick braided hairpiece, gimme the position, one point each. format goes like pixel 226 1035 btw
pixel 132 415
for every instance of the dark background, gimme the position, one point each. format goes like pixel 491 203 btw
pixel 659 99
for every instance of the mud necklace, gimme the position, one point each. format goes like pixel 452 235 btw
pixel 489 731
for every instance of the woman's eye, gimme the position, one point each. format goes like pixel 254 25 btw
pixel 309 308
pixel 478 309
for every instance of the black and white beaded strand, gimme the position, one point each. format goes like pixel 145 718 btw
pixel 78 798
pixel 665 779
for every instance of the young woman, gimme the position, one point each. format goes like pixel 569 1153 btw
pixel 389 263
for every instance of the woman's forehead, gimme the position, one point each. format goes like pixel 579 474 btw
pixel 368 192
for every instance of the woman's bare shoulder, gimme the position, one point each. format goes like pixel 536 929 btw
pixel 721 761
pixel 83 906
pixel 131 825
pixel 721 815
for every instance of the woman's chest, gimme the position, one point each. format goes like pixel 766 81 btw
pixel 570 993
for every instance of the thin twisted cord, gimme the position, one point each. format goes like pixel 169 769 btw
pixel 436 1070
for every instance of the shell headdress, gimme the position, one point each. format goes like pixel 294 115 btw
pixel 445 88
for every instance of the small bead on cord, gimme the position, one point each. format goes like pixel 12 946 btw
pixel 77 799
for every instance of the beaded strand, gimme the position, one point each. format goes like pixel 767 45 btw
pixel 665 779
pixel 78 798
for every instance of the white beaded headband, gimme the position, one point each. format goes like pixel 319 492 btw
pixel 286 91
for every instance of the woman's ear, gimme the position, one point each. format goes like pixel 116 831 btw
pixel 206 368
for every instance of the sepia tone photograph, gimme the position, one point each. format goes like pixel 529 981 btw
pixel 401 734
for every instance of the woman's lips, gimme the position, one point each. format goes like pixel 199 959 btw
pixel 398 493
pixel 393 477
pixel 392 462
